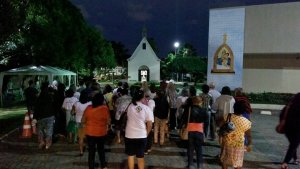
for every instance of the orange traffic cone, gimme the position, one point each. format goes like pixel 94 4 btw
pixel 27 133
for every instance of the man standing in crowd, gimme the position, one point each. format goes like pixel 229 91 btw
pixel 31 93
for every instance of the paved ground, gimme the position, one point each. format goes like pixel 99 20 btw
pixel 268 151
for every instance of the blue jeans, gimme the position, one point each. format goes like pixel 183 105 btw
pixel 96 143
pixel 196 140
pixel 45 128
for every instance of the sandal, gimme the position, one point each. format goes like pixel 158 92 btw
pixel 284 166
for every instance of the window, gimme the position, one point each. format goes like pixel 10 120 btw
pixel 144 46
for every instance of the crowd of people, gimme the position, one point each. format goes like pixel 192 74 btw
pixel 151 114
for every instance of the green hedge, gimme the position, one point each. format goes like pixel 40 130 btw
pixel 269 98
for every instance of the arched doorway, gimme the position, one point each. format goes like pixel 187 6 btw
pixel 144 73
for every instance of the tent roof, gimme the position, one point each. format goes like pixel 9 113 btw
pixel 37 70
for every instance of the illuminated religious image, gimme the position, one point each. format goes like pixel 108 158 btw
pixel 224 59
pixel 144 75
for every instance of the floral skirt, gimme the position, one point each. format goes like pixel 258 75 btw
pixel 233 156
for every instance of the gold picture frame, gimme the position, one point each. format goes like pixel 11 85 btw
pixel 223 59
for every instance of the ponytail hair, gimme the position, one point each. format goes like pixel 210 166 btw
pixel 137 96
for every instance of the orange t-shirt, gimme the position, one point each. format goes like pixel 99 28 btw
pixel 195 127
pixel 97 119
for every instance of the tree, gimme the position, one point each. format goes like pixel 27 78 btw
pixel 184 62
pixel 54 33
pixel 8 19
pixel 121 53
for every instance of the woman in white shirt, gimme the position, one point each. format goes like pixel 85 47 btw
pixel 67 106
pixel 79 108
pixel 138 126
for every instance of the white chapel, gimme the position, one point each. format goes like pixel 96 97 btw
pixel 143 65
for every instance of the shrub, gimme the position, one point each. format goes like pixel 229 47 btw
pixel 269 98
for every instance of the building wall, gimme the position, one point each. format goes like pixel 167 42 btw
pixel 273 28
pixel 147 60
pixel 143 57
pixel 229 21
pixel 272 52
pixel 271 80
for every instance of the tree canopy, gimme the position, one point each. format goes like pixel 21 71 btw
pixel 185 61
pixel 52 33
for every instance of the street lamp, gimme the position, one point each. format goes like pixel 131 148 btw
pixel 176 45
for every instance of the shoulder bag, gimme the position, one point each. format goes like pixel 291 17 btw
pixel 123 118
pixel 227 127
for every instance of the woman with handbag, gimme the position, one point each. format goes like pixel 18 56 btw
pixel 138 127
pixel 96 119
pixel 67 106
pixel 195 127
pixel 289 124
pixel 233 147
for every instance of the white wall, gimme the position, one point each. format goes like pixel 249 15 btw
pixel 147 60
pixel 271 80
pixel 143 57
pixel 273 28
pixel 229 21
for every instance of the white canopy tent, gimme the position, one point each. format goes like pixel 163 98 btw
pixel 50 73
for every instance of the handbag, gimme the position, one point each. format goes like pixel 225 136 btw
pixel 227 127
pixel 183 132
pixel 123 118
pixel 72 126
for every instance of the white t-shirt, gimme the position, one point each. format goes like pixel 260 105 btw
pixel 69 102
pixel 180 101
pixel 137 116
pixel 79 110
pixel 77 95
pixel 151 104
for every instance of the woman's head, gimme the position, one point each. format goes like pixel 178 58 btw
pixel 107 89
pixel 84 97
pixel 147 93
pixel 226 90
pixel 193 91
pixel 160 93
pixel 238 92
pixel 137 96
pixel 98 100
pixel 69 93
pixel 205 88
pixel 171 86
pixel 44 86
pixel 184 92
pixel 239 107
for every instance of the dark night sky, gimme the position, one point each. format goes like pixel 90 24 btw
pixel 166 20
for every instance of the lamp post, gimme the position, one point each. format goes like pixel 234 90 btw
pixel 176 45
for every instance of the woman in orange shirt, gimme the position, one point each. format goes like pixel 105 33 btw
pixel 96 119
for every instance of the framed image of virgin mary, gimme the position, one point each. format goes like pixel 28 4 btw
pixel 223 59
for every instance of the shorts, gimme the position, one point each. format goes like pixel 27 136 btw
pixel 81 132
pixel 135 147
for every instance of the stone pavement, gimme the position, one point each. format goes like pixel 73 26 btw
pixel 268 151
